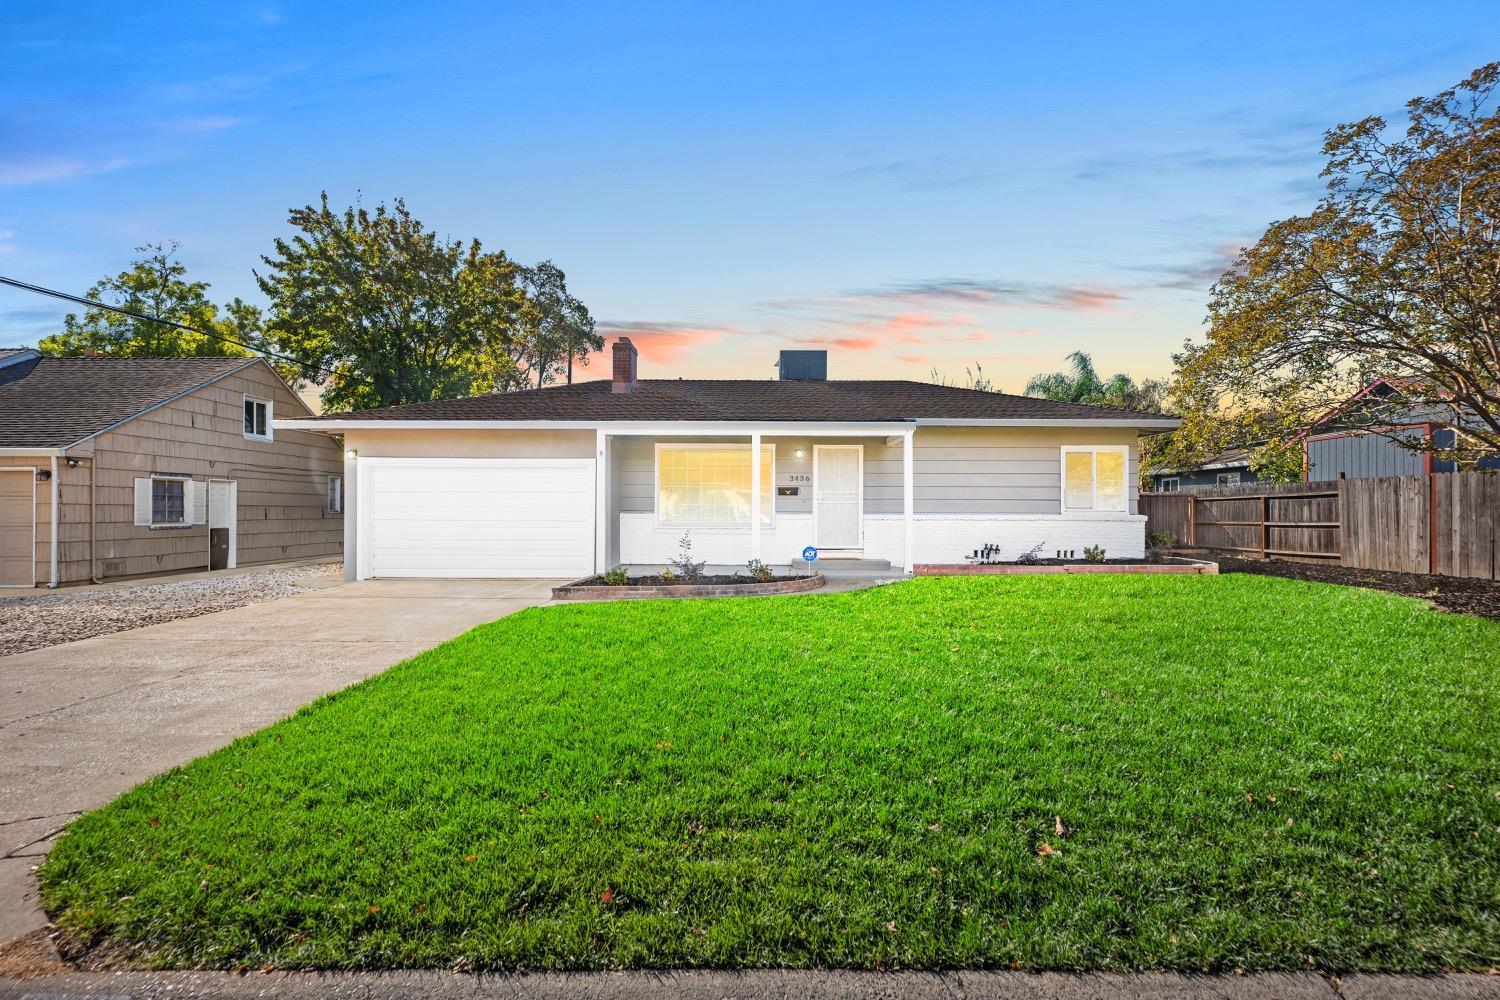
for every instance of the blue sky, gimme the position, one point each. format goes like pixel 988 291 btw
pixel 915 186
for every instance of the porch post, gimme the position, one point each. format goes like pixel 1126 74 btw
pixel 908 495
pixel 755 495
pixel 601 501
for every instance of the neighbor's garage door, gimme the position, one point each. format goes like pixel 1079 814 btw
pixel 476 517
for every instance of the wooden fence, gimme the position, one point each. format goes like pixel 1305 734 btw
pixel 1447 523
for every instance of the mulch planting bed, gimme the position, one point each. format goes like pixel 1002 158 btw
pixel 1451 593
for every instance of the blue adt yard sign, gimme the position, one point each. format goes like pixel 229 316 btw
pixel 809 554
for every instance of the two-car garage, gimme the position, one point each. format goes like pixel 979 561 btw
pixel 475 517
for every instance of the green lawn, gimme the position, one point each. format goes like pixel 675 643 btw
pixel 1256 772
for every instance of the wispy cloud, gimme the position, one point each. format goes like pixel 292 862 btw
pixel 1196 274
pixel 661 342
pixel 993 292
pixel 29 168
pixel 201 123
pixel 929 173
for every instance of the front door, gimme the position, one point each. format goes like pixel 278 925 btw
pixel 17 528
pixel 838 498
pixel 223 501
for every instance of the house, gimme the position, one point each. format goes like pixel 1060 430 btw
pixel 1356 440
pixel 117 467
pixel 569 480
pixel 1229 468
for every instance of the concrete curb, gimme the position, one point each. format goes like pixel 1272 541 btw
pixel 724 985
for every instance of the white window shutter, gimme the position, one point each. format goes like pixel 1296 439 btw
pixel 197 500
pixel 143 503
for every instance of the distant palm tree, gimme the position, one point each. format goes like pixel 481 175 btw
pixel 1082 384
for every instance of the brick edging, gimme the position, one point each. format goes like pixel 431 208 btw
pixel 574 592
pixel 1011 569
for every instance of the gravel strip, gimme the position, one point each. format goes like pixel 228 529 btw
pixel 50 618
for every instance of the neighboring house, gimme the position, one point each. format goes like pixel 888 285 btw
pixel 570 480
pixel 1342 445
pixel 1231 468
pixel 117 467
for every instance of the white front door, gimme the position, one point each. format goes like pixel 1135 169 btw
pixel 223 504
pixel 838 497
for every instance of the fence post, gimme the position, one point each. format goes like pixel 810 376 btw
pixel 1265 525
pixel 1192 519
pixel 1432 514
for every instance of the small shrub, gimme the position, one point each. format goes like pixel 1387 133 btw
pixel 759 571
pixel 1031 556
pixel 683 563
pixel 1161 540
pixel 667 576
pixel 616 577
pixel 1093 553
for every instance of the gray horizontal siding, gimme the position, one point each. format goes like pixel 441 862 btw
pixel 954 470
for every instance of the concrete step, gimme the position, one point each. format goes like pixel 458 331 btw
pixel 847 567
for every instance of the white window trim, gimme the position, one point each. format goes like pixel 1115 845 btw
pixel 328 493
pixel 187 504
pixel 270 434
pixel 1176 482
pixel 768 504
pixel 1093 507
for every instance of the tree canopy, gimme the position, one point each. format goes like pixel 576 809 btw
pixel 156 286
pixel 1395 274
pixel 1081 384
pixel 550 331
pixel 388 310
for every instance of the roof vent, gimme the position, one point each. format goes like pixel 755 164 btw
pixel 803 366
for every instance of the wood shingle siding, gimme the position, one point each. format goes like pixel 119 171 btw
pixel 282 493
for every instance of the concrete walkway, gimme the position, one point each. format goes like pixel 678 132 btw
pixel 83 722
pixel 710 985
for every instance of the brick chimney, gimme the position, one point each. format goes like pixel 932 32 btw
pixel 624 366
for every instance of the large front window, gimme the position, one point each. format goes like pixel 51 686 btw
pixel 1094 478
pixel 709 484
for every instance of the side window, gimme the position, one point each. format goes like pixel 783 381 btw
pixel 335 494
pixel 257 419
pixel 1228 479
pixel 168 501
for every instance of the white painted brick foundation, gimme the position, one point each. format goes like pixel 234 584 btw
pixel 940 538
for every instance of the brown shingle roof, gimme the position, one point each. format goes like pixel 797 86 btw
pixel 748 400
pixel 54 402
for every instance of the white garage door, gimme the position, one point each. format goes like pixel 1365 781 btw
pixel 476 517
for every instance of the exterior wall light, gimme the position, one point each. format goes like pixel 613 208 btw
pixel 42 475
pixel 800 453
pixel 351 454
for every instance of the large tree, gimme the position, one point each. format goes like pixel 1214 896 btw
pixel 388 310
pixel 1081 384
pixel 552 330
pixel 156 286
pixel 1394 275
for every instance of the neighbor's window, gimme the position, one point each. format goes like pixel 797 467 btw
pixel 1228 479
pixel 1094 478
pixel 710 484
pixel 168 501
pixel 257 419
pixel 1169 486
pixel 335 494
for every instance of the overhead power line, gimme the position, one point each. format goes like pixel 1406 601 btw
pixel 96 304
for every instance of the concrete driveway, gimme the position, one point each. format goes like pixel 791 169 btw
pixel 83 722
